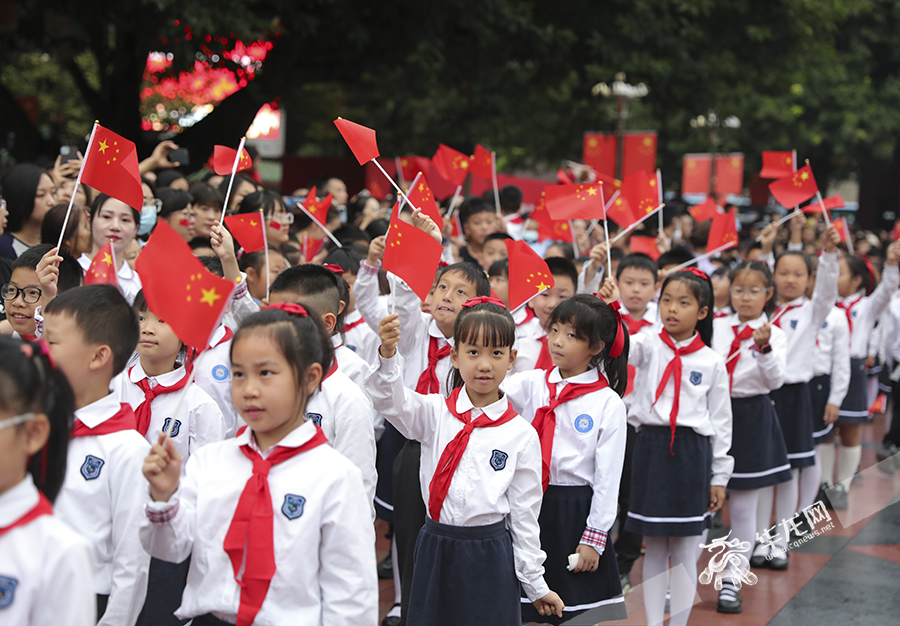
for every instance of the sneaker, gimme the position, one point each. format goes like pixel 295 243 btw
pixel 838 497
pixel 886 453
pixel 625 581
pixel 386 568
pixel 759 558
pixel 779 560
pixel 393 617
pixel 730 599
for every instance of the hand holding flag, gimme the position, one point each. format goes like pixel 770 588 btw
pixel 413 254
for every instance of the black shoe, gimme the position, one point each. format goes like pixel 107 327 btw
pixel 386 568
pixel 822 496
pixel 801 531
pixel 391 620
pixel 757 561
pixel 730 600
pixel 779 560
pixel 839 497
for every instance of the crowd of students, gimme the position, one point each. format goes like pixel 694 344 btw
pixel 144 482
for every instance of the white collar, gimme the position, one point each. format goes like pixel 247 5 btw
pixel 98 412
pixel 734 320
pixel 434 331
pixel 17 501
pixel 336 341
pixel 494 411
pixel 859 294
pixel 795 302
pixel 519 315
pixel 293 439
pixel 137 374
pixel 590 376
pixel 217 336
pixel 352 316
pixel 650 313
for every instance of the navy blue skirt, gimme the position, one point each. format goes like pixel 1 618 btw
pixel 757 445
pixel 564 513
pixel 670 493
pixel 855 408
pixel 819 390
pixel 794 408
pixel 464 575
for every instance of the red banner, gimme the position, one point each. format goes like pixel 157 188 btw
pixel 695 173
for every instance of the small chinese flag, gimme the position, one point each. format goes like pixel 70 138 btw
pixel 111 167
pixel 706 210
pixel 722 232
pixel 549 228
pixel 103 268
pixel 311 247
pixel 528 273
pixel 451 164
pixel 412 165
pixel 360 139
pixel 647 245
pixel 777 164
pixel 611 183
pixel 421 197
pixel 830 203
pixel 879 405
pixel 575 202
pixel 248 229
pixel 795 188
pixel 317 209
pixel 482 162
pixel 842 227
pixel 224 157
pixel 641 191
pixel 179 290
pixel 413 255
pixel 619 211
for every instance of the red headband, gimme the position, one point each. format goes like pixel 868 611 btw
pixel 336 269
pixel 696 272
pixel 289 307
pixel 619 341
pixel 483 300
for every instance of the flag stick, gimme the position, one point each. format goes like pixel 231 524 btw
pixel 87 154
pixel 112 253
pixel 494 178
pixel 592 226
pixel 452 202
pixel 606 233
pixel 320 225
pixel 659 187
pixel 849 238
pixel 237 158
pixel 399 165
pixel 824 210
pixel 595 222
pixel 305 247
pixel 770 322
pixel 635 225
pixel 796 211
pixel 574 238
pixel 702 256
pixel 527 301
pixel 393 284
pixel 402 201
pixel 394 184
pixel 266 251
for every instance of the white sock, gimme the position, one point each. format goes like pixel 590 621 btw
pixel 700 541
pixel 785 507
pixel 743 505
pixel 810 479
pixel 826 452
pixel 683 552
pixel 764 508
pixel 396 567
pixel 655 578
pixel 848 461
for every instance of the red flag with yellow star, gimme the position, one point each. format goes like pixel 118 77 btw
pixel 642 193
pixel 528 273
pixel 102 269
pixel 722 232
pixel 179 290
pixel 840 224
pixel 704 211
pixel 647 245
pixel 413 255
pixel 777 164
pixel 575 202
pixel 795 188
pixel 482 162
pixel 422 198
pixel 451 164
pixel 549 228
pixel 224 157
pixel 111 167
pixel 830 203
pixel 248 229
pixel 619 211
pixel 317 209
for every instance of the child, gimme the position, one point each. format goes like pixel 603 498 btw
pixel 465 550
pixel 42 560
pixel 276 523
pixel 479 219
pixel 684 432
pixel 358 336
pixel 528 347
pixel 339 406
pixel 92 332
pixel 754 353
pixel 862 306
pixel 278 220
pixel 721 293
pixel 799 318
pixel 253 264
pixel 23 294
pixel 565 278
pixel 580 420
pixel 493 249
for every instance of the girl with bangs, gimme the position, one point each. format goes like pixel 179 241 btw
pixel 480 475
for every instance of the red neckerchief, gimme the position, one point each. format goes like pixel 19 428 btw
pixel 779 314
pixel 353 325
pixel 529 315
pixel 721 314
pixel 848 311
pixel 143 413
pixel 428 381
pixel 545 417
pixel 124 419
pixel 28 337
pixel 249 541
pixel 42 507
pixel 452 454
pixel 634 326
pixel 747 333
pixel 228 335
pixel 674 368
pixel 544 360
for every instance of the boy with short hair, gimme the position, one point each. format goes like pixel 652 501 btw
pixel 92 332
pixel 24 292
pixel 478 219
pixel 493 249
pixel 358 335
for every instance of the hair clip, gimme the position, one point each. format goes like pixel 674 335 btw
pixel 618 344
pixel 483 300
pixel 336 269
pixel 696 272
pixel 290 308
pixel 443 264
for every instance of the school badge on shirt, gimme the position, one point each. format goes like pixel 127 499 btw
pixel 498 460
pixel 315 418
pixel 220 373
pixel 90 469
pixel 584 423
pixel 293 506
pixel 696 378
pixel 7 590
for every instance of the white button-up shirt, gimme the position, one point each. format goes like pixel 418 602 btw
pixel 756 373
pixel 212 373
pixel 866 310
pixel 832 355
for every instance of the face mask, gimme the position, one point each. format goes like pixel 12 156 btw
pixel 148 219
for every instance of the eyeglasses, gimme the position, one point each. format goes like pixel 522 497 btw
pixel 31 295
pixel 15 421
pixel 284 218
pixel 738 292
pixel 2 204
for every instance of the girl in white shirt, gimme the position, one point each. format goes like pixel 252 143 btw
pixel 278 525
pixel 43 563
pixel 754 353
pixel 579 415
pixel 480 474
pixel 682 410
